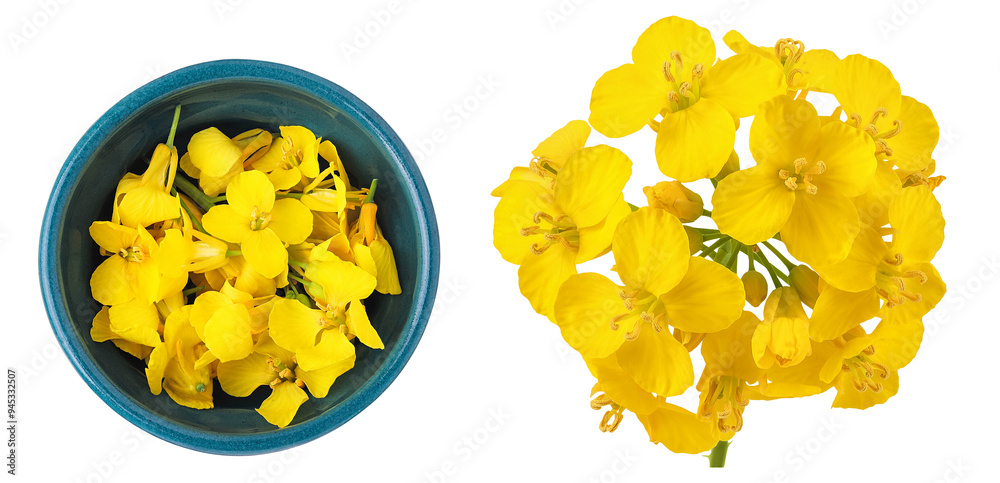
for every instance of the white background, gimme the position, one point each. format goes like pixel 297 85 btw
pixel 492 393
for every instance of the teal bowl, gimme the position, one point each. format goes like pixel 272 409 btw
pixel 235 95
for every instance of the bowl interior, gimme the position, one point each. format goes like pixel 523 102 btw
pixel 234 106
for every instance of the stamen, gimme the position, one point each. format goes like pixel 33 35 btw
pixel 656 323
pixel 783 174
pixel 917 274
pixel 897 128
pixel 810 188
pixel 616 319
pixel 697 71
pixel 871 130
pixel 881 147
pixel 880 112
pixel 673 97
pixel 666 72
pixel 634 333
pixel 855 119
pixel 676 57
pixel 685 89
pixel 624 295
pixel 791 184
pixel 611 421
pixel 799 163
pixel 895 261
pixel 541 215
pixel 537 249
pixel 531 230
pixel 600 401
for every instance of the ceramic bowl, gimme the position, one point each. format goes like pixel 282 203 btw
pixel 235 95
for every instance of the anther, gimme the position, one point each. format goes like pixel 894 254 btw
pixel 537 249
pixel 791 184
pixel 634 333
pixel 531 230
pixel 673 97
pixel 881 147
pixel 666 72
pixel 600 401
pixel 616 319
pixel 897 127
pixel 685 89
pixel 855 118
pixel 676 57
pixel 880 112
pixel 895 261
pixel 799 164
pixel 697 71
pixel 783 174
pixel 624 295
pixel 917 274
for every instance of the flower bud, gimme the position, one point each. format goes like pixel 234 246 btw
pixel 676 199
pixel 731 166
pixel 755 286
pixel 805 281
pixel 695 239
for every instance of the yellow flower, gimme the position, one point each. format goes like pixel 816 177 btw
pixel 172 364
pixel 804 69
pixel 100 331
pixel 292 157
pixel 547 231
pixel 676 199
pixel 318 337
pixel 258 222
pixel 783 337
pixel 674 74
pixel 729 369
pixel 215 159
pixel 897 275
pixel 144 200
pixel 802 185
pixel 904 130
pixel 276 367
pixel 223 320
pixel 131 271
pixel 664 285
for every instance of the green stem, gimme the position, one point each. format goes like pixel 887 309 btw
pixel 371 191
pixel 289 195
pixel 193 290
pixel 193 192
pixel 298 263
pixel 711 236
pixel 707 230
pixel 789 265
pixel 173 126
pixel 705 212
pixel 713 246
pixel 297 279
pixel 750 256
pixel 234 253
pixel 717 458
pixel 776 275
pixel 194 221
pixel 634 208
pixel 733 257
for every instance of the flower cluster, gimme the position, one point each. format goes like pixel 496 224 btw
pixel 836 208
pixel 262 286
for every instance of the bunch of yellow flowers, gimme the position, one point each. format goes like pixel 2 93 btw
pixel 849 194
pixel 262 286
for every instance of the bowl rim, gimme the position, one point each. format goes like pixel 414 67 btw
pixel 286 76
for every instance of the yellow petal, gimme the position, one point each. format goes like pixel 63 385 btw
pixel 849 397
pixel 930 293
pixel 242 377
pixel 783 340
pixel 148 204
pixel 864 85
pixel 741 82
pixel 540 276
pixel 306 147
pixel 204 308
pixel 838 311
pixel 846 151
pixel 326 200
pixel 625 99
pixel 595 240
pixel 727 352
pixel 584 307
pixel 284 178
pixel 188 167
pixel 340 282
pixel 109 284
pixel 739 44
pixel 821 228
pixel 857 272
pixel 227 333
pixel 672 373
pixel 873 206
pixel 590 183
pixel 332 348
pixel 708 299
pixel 913 146
pixel 359 325
pixel 558 147
pixel 817 67
pixel 112 237
pixel 213 153
pixel 272 158
pixel 293 326
pixel 100 328
pixel 224 222
pixel 520 173
pixel 280 407
pixel 666 35
pixel 784 130
pixel 680 430
pixel 363 258
pixel 387 277
pixel 651 250
pixel 136 321
pixel 156 366
pixel 250 192
pixel 264 250
pixel 319 381
pixel 917 223
pixel 695 142
pixel 291 221
pixel 897 341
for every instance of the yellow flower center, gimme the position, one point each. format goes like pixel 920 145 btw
pixel 641 307
pixel 788 53
pixel 132 254
pixel 259 219
pixel 284 372
pixel 881 146
pixel 865 373
pixel 801 176
pixel 722 403
pixel 685 86
pixel 613 417
pixel 556 230
pixel 895 285
pixel 333 318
